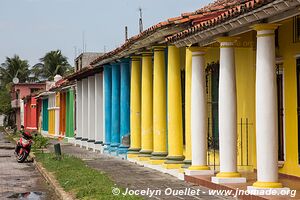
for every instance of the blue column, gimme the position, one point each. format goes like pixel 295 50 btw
pixel 115 109
pixel 125 107
pixel 107 100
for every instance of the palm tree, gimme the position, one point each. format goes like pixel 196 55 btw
pixel 14 67
pixel 52 63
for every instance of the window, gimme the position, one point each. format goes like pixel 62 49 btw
pixel 280 112
pixel 212 89
pixel 296 29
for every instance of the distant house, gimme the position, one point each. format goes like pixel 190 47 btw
pixel 18 92
pixel 84 60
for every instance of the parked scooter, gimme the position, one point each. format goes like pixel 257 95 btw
pixel 23 146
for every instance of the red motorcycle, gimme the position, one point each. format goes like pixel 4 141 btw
pixel 23 146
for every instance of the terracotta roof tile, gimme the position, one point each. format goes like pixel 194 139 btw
pixel 207 16
pixel 230 9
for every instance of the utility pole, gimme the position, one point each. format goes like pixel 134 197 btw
pixel 126 33
pixel 141 20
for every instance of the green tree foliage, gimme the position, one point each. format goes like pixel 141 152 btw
pixel 52 63
pixel 14 67
pixel 11 68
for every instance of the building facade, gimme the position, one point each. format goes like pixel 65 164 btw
pixel 212 92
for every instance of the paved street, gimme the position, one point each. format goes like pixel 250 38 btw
pixel 133 176
pixel 19 180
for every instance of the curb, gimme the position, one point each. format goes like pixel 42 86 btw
pixel 60 193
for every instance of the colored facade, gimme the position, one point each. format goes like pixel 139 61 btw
pixel 219 95
pixel 55 115
pixel 20 91
pixel 30 114
pixel 212 92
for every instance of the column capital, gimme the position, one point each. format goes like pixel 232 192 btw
pixel 227 39
pixel 125 60
pixel 114 63
pixel 159 48
pixel 146 53
pixel 227 42
pixel 135 58
pixel 262 27
pixel 197 51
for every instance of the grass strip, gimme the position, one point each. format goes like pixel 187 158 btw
pixel 76 177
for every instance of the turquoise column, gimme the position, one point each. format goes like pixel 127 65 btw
pixel 115 108
pixel 45 115
pixel 107 106
pixel 125 107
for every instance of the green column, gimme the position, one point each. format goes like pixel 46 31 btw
pixel 70 113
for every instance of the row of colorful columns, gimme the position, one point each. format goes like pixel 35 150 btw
pixel 148 110
pixel 150 105
pixel 117 107
pixel 90 111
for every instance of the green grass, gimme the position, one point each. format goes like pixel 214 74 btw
pixel 76 177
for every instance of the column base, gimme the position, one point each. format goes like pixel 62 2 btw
pixel 143 158
pixel 199 170
pixel 187 164
pixel 144 155
pixel 133 152
pixel 132 155
pixel 199 167
pixel 283 191
pixel 122 149
pixel 106 148
pixel 113 150
pixel 174 160
pixel 221 180
pixel 159 155
pixel 84 144
pixel 259 184
pixel 172 166
pixel 155 162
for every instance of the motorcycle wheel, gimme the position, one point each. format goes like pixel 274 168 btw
pixel 22 157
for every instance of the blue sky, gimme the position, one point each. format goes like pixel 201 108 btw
pixel 30 28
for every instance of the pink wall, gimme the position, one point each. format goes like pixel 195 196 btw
pixel 30 114
pixel 24 90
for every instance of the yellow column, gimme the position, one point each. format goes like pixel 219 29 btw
pixel 188 78
pixel 175 137
pixel 147 107
pixel 159 107
pixel 135 107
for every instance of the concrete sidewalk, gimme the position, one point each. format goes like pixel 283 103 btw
pixel 132 176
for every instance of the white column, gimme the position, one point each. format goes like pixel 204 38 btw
pixel 84 119
pixel 91 111
pixel 266 108
pixel 78 112
pixel 98 111
pixel 198 115
pixel 103 107
pixel 21 111
pixel 227 114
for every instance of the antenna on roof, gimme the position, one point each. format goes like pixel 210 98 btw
pixel 83 42
pixel 126 33
pixel 75 52
pixel 141 20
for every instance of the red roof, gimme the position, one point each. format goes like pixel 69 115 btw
pixel 210 14
pixel 222 10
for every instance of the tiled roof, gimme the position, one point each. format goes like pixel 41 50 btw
pixel 61 84
pixel 200 17
pixel 223 10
